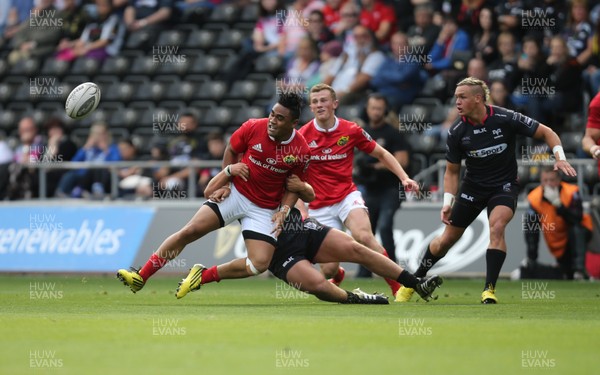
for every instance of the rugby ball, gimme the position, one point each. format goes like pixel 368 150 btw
pixel 83 100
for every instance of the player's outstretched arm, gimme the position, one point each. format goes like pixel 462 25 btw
pixel 303 189
pixel 222 179
pixel 451 177
pixel 552 140
pixel 589 143
pixel 392 164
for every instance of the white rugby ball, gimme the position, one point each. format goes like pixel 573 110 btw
pixel 83 100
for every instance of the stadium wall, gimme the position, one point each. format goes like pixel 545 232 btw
pixel 77 236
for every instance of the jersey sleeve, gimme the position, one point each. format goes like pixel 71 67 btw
pixel 364 142
pixel 524 125
pixel 594 115
pixel 453 153
pixel 239 139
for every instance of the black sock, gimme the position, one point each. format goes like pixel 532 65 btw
pixel 407 279
pixel 494 259
pixel 428 261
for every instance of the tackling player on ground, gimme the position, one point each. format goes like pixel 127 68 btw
pixel 303 242
pixel 485 136
pixel 272 150
pixel 338 203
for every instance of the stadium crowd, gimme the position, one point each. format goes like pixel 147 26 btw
pixel 538 57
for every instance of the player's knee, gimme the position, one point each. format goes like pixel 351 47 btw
pixel 497 230
pixel 364 237
pixel 255 267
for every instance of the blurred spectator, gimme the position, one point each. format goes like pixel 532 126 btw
pixel 499 96
pixel 564 87
pixel 578 30
pixel 317 30
pixel 38 36
pixel 19 12
pixel 423 34
pixel 504 67
pixel 147 181
pixel 4 10
pixel 74 20
pixel 6 157
pixel 216 149
pixel 510 14
pixel 349 13
pixel 591 74
pixel 147 17
pixel 267 38
pixel 126 175
pixel 468 15
pixel 379 185
pixel 23 181
pixel 450 40
pixel 544 18
pixel 301 69
pixel 98 148
pixel 60 149
pixel 296 22
pixel 379 18
pixel 332 14
pixel 556 210
pixel 531 69
pixel 181 150
pixel 351 74
pixel 400 78
pixel 447 58
pixel 485 40
pixel 100 39
pixel 328 56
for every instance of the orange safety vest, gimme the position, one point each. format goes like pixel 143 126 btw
pixel 556 235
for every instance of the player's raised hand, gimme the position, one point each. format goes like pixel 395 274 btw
pixel 410 185
pixel 565 167
pixel 220 194
pixel 445 215
pixel 595 151
pixel 241 170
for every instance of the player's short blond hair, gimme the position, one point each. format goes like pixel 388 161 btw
pixel 320 87
pixel 470 81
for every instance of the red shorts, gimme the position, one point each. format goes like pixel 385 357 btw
pixel 592 264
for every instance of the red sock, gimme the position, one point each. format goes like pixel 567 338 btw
pixel 394 285
pixel 209 275
pixel 152 265
pixel 339 276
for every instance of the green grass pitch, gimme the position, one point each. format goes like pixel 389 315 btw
pixel 94 325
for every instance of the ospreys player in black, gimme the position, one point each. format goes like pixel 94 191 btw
pixel 485 136
pixel 304 242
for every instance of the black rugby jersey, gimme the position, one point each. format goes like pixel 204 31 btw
pixel 489 148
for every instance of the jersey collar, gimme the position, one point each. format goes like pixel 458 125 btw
pixel 287 141
pixel 489 111
pixel 323 130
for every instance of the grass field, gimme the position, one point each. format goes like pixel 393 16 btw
pixel 94 325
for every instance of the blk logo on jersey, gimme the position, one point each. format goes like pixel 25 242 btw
pixel 343 140
pixel 479 131
pixel 488 151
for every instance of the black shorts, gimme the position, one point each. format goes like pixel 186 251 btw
pixel 472 199
pixel 296 244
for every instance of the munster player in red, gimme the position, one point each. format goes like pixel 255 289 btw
pixel 338 203
pixel 270 150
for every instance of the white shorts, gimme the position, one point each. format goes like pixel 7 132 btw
pixel 335 215
pixel 253 218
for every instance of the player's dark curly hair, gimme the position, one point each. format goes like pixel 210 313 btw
pixel 293 102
